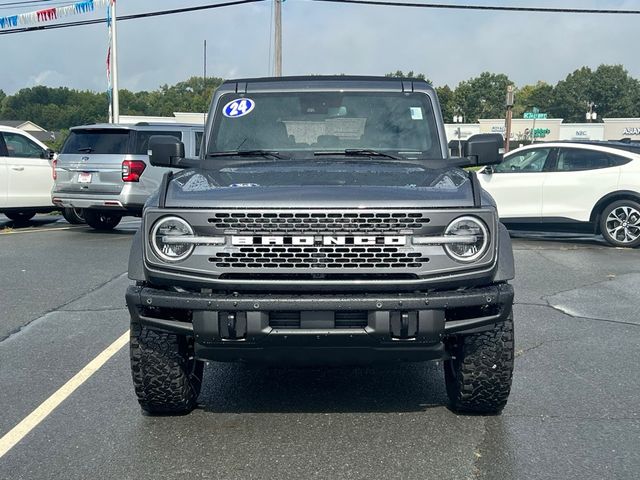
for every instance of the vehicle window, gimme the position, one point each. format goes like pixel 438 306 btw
pixel 528 161
pixel 97 141
pixel 199 136
pixel 315 121
pixel 143 136
pixel 573 160
pixel 20 146
pixel 618 161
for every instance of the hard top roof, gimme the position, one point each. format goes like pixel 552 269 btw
pixel 136 126
pixel 331 81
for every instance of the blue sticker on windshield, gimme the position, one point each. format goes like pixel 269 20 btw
pixel 238 108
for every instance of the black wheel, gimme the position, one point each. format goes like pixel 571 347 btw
pixel 20 217
pixel 102 220
pixel 620 223
pixel 166 377
pixel 478 376
pixel 73 215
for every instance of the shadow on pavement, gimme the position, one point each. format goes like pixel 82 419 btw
pixel 237 388
pixel 570 239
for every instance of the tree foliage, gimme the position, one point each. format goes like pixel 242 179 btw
pixel 610 87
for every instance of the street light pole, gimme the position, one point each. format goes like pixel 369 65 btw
pixel 508 118
pixel 591 115
pixel 115 99
pixel 277 41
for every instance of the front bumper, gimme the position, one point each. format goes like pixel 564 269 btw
pixel 406 326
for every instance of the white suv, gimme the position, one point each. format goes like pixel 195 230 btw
pixel 25 175
pixel 570 186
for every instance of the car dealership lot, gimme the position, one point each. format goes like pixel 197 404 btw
pixel 574 411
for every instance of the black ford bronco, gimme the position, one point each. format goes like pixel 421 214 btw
pixel 324 223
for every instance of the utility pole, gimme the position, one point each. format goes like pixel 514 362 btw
pixel 508 117
pixel 277 41
pixel 115 100
pixel 204 76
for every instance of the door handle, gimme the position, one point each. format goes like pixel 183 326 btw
pixel 17 169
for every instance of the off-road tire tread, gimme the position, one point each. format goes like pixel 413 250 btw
pixel 159 367
pixel 479 378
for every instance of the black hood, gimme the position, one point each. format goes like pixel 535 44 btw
pixel 284 184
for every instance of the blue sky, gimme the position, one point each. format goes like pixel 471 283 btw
pixel 324 38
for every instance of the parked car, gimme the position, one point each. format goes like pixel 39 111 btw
pixel 104 169
pixel 570 186
pixel 25 175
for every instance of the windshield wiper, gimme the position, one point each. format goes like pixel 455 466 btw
pixel 248 153
pixel 85 150
pixel 357 152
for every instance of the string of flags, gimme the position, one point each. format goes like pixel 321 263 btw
pixel 49 14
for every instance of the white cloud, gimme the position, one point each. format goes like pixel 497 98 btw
pixel 447 45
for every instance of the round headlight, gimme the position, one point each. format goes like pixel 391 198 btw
pixel 165 239
pixel 475 241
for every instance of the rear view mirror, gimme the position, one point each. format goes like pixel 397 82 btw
pixel 165 151
pixel 484 149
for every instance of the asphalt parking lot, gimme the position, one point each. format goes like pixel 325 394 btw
pixel 574 411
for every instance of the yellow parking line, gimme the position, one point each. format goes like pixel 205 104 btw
pixel 31 421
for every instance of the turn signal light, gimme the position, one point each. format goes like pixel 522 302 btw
pixel 132 169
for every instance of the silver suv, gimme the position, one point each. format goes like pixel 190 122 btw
pixel 103 171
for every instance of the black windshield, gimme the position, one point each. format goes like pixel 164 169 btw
pixel 310 122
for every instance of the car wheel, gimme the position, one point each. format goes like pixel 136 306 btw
pixel 102 220
pixel 73 215
pixel 20 217
pixel 478 375
pixel 620 223
pixel 166 377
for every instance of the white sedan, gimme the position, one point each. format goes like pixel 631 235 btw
pixel 25 175
pixel 570 186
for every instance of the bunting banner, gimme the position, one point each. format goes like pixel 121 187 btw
pixel 50 14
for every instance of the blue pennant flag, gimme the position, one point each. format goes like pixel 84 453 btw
pixel 84 6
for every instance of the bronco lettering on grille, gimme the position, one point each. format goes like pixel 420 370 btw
pixel 310 240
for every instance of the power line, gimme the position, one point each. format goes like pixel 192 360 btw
pixel 43 3
pixel 485 7
pixel 24 2
pixel 355 2
pixel 159 13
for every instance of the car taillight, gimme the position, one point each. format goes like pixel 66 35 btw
pixel 132 169
pixel 54 164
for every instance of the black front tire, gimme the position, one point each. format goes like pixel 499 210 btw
pixel 102 220
pixel 620 223
pixel 75 216
pixel 166 377
pixel 478 376
pixel 20 216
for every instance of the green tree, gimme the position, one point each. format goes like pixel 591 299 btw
pixel 482 97
pixel 410 74
pixel 539 95
pixel 447 102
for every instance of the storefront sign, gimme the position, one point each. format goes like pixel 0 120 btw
pixel 631 131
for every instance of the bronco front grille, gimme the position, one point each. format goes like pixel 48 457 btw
pixel 318 222
pixel 318 257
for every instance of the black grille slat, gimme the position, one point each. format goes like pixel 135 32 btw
pixel 342 319
pixel 343 222
pixel 319 257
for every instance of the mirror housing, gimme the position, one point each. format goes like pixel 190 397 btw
pixel 49 154
pixel 484 149
pixel 165 151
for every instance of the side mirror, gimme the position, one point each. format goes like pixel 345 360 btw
pixel 50 154
pixel 484 149
pixel 488 170
pixel 165 151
